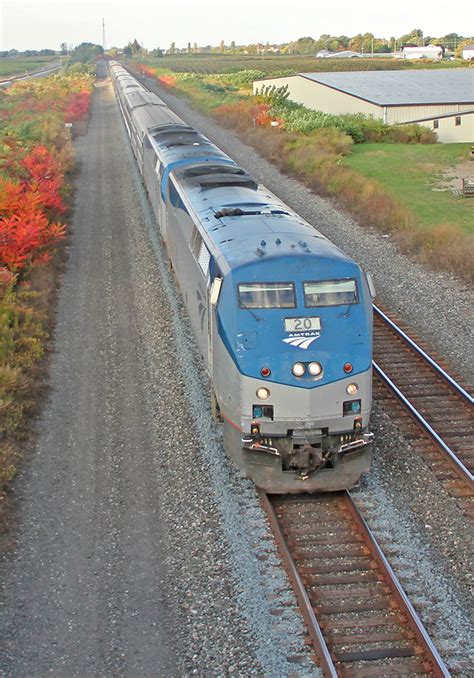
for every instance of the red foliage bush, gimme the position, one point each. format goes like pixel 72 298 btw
pixel 244 114
pixel 44 176
pixel 77 106
pixel 28 206
pixel 167 81
pixel 26 233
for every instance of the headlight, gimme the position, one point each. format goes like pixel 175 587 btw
pixel 315 369
pixel 263 393
pixel 298 369
pixel 352 389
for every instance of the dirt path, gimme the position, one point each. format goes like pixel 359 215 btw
pixel 82 590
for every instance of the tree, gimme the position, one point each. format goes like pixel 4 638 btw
pixel 136 47
pixel 63 48
pixel 305 45
pixel 459 48
pixel 415 38
pixel 172 49
pixel 86 52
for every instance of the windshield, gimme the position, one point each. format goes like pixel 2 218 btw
pixel 267 295
pixel 330 293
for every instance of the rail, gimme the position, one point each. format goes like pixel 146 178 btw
pixel 423 423
pixel 340 533
pixel 459 389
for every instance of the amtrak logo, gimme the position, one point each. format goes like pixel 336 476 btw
pixel 302 342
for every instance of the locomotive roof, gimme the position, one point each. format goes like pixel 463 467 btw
pixel 244 222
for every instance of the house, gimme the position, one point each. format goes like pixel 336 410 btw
pixel 468 52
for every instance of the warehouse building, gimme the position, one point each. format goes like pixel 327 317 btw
pixel 442 100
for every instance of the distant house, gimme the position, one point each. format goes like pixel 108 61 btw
pixel 434 52
pixel 468 52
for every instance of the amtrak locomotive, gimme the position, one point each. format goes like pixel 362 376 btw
pixel 282 317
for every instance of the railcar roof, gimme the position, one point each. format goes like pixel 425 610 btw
pixel 177 142
pixel 151 115
pixel 137 97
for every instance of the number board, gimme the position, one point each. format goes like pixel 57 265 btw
pixel 302 324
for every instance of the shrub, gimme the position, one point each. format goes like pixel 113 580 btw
pixel 35 154
pixel 273 95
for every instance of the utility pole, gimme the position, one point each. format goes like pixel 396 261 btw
pixel 103 34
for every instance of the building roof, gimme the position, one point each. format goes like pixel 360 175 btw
pixel 424 48
pixel 401 88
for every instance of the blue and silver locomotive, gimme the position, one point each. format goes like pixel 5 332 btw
pixel 282 317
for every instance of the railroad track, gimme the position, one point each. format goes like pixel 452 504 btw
pixel 432 409
pixel 358 617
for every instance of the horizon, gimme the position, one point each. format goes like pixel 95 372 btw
pixel 36 24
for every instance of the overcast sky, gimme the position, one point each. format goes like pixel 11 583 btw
pixel 36 24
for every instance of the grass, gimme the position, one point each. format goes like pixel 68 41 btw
pixel 18 66
pixel 410 173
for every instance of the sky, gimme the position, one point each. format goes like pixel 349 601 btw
pixel 38 24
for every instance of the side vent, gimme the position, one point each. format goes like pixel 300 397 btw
pixel 204 258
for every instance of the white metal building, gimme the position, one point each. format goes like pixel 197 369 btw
pixel 396 97
pixel 429 52
pixel 468 52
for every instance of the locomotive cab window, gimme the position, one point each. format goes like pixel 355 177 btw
pixel 267 295
pixel 330 293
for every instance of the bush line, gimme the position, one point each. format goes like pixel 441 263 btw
pixel 36 160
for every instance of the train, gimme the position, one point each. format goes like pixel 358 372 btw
pixel 281 316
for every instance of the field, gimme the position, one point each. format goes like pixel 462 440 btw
pixel 18 66
pixel 271 64
pixel 412 174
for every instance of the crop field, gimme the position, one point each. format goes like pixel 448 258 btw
pixel 271 64
pixel 417 176
pixel 18 66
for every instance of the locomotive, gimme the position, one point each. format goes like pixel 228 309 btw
pixel 282 317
